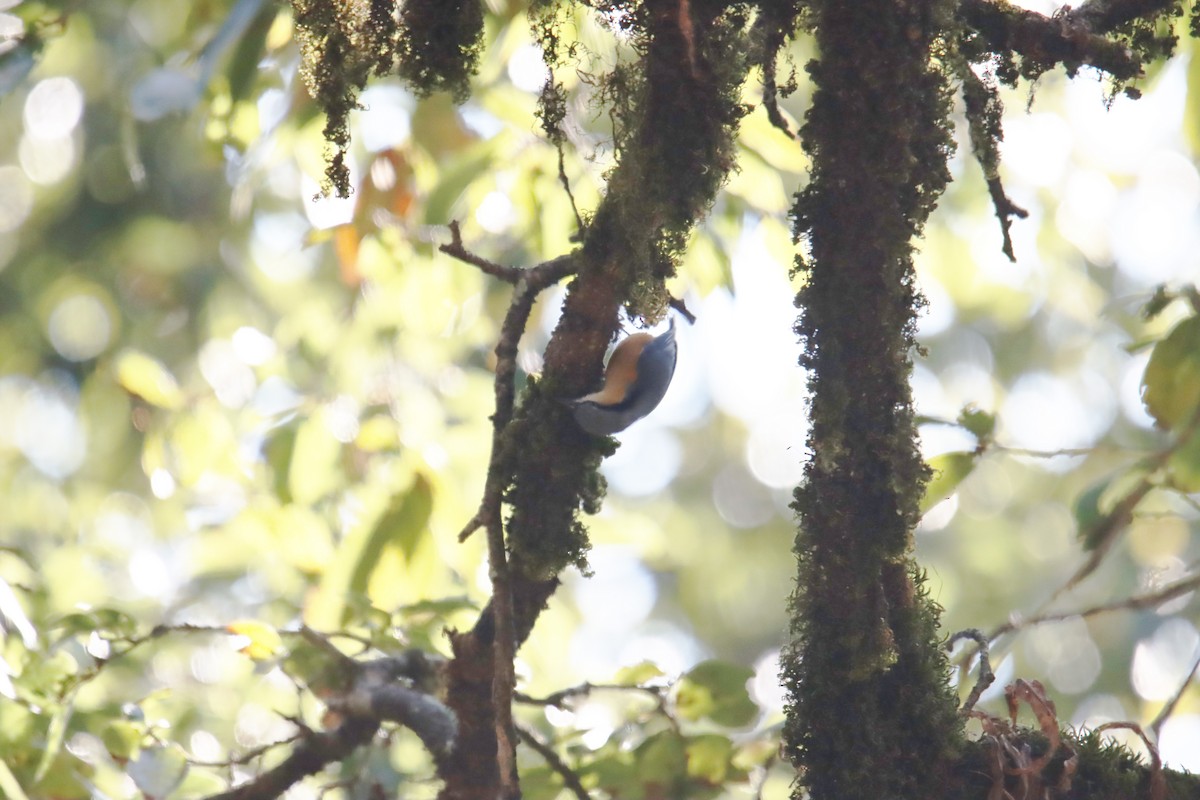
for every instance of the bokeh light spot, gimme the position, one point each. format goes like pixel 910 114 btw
pixel 46 161
pixel 1161 662
pixel 741 501
pixel 1179 742
pixel 79 327
pixel 527 70
pixel 16 198
pixel 53 108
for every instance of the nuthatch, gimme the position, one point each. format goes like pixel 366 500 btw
pixel 635 381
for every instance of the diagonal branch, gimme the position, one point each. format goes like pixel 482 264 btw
pixel 569 778
pixel 1074 38
pixel 1135 602
pixel 309 757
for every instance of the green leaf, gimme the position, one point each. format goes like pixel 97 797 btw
pixel 949 470
pixel 315 467
pixel 1184 465
pixel 717 690
pixel 55 736
pixel 638 674
pixel 755 753
pixel 243 63
pixel 441 607
pixel 201 783
pixel 401 525
pixel 320 669
pixel 65 780
pixel 980 424
pixel 13 616
pixel 1191 113
pixel 122 738
pixel 278 450
pixel 97 620
pixel 149 379
pixel 540 783
pixel 662 760
pixel 1171 383
pixel 1087 505
pixel 1108 505
pixel 708 758
pixel 462 172
pixel 614 773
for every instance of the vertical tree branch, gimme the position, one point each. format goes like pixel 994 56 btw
pixel 870 714
pixel 683 108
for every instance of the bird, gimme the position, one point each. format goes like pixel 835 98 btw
pixel 635 381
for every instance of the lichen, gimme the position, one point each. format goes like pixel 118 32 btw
pixel 342 44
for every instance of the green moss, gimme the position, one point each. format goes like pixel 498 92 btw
pixel 556 470
pixel 439 44
pixel 342 45
pixel 436 42
pixel 870 713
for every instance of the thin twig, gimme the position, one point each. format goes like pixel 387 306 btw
pixel 762 773
pixel 246 757
pixel 986 676
pixel 680 306
pixel 530 283
pixel 770 98
pixel 569 778
pixel 1136 602
pixel 456 250
pixel 1032 453
pixel 1105 532
pixel 566 184
pixel 1169 708
pixel 558 699
pixel 772 29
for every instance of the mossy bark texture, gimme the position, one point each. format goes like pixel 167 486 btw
pixel 870 714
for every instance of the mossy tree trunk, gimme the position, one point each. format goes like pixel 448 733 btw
pixel 870 714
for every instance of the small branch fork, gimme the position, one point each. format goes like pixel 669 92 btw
pixel 527 284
